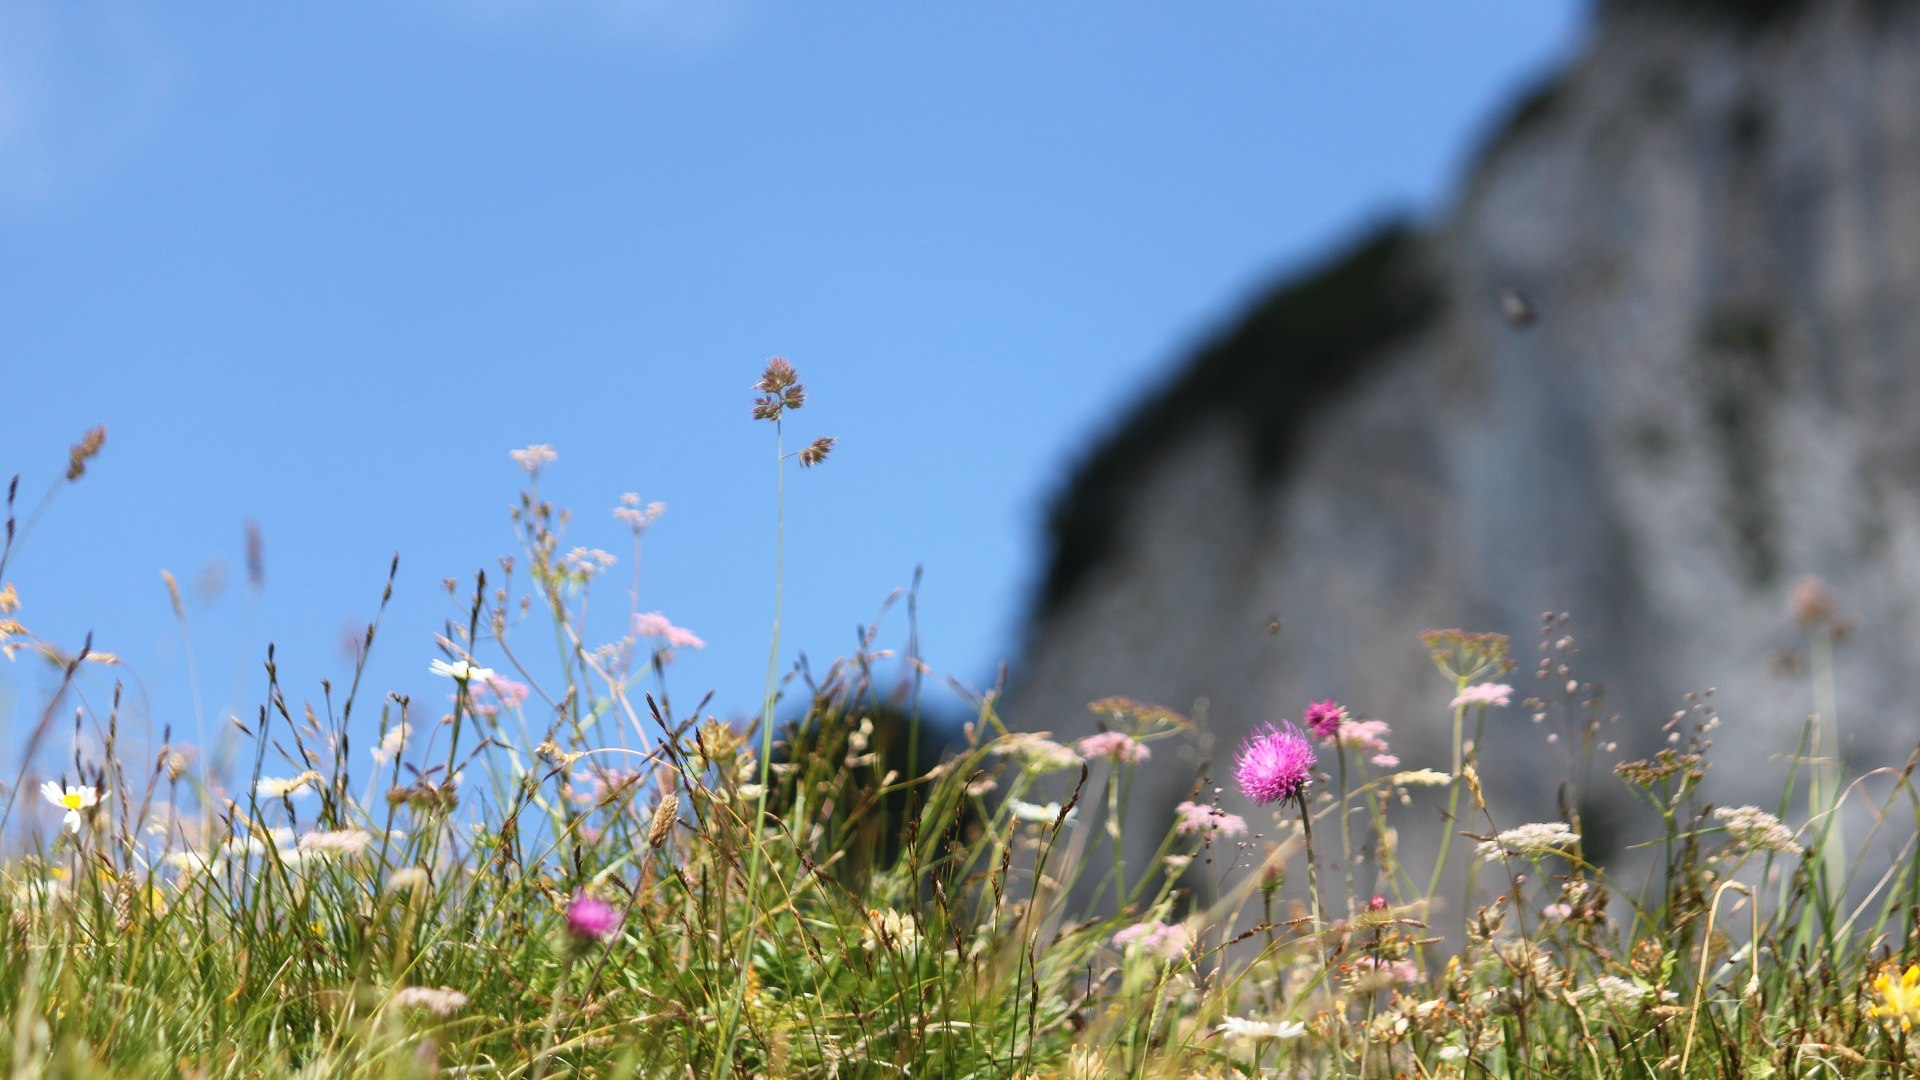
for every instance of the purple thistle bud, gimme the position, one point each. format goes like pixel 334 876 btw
pixel 1324 717
pixel 1274 765
pixel 590 920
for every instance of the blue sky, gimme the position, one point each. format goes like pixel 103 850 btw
pixel 322 266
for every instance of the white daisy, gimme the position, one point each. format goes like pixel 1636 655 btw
pixel 73 799
pixel 1241 1029
pixel 1042 813
pixel 460 670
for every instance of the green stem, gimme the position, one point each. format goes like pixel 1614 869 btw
pixel 1346 829
pixel 1453 793
pixel 730 1028
pixel 553 1017
pixel 1313 872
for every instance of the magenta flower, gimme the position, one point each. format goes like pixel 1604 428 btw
pixel 1325 717
pixel 590 920
pixel 1274 765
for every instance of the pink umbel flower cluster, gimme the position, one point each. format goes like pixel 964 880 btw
pixel 1366 736
pixel 1274 765
pixel 1325 717
pixel 1335 726
pixel 1164 940
pixel 1115 745
pixel 1483 694
pixel 1196 817
pixel 1373 972
pixel 655 625
pixel 494 691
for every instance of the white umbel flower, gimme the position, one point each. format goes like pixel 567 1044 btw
pixel 1037 754
pixel 1755 828
pixel 1541 838
pixel 439 1000
pixel 74 799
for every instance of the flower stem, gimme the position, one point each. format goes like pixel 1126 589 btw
pixel 1453 793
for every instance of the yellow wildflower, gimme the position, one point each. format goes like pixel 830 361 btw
pixel 1899 997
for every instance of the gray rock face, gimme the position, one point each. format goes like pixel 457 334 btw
pixel 1715 217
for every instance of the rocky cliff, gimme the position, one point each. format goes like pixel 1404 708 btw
pixel 1659 359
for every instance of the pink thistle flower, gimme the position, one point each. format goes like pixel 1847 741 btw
pixel 1325 717
pixel 1483 694
pixel 1274 765
pixel 1200 818
pixel 655 625
pixel 590 920
pixel 1164 940
pixel 1116 745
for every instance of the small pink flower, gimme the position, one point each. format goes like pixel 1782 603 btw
pixel 1388 971
pixel 1325 717
pixel 590 920
pixel 1274 765
pixel 655 625
pixel 505 689
pixel 1385 761
pixel 1378 903
pixel 1200 818
pixel 1114 744
pixel 1483 694
pixel 1556 912
pixel 1166 941
pixel 1366 736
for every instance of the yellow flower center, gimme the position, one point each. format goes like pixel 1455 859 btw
pixel 1899 996
pixel 71 800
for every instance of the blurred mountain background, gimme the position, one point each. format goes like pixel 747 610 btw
pixel 1657 362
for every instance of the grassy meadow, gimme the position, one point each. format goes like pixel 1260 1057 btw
pixel 550 872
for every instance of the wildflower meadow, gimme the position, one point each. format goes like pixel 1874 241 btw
pixel 556 872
